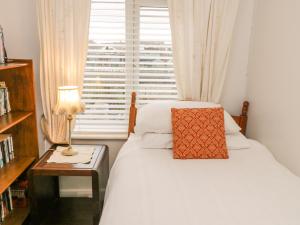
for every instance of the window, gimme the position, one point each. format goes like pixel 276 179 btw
pixel 129 50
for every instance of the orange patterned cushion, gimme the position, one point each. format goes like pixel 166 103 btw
pixel 199 134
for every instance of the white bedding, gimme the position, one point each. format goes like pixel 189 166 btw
pixel 149 187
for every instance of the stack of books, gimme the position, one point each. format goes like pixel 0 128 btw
pixel 4 99
pixel 15 196
pixel 6 149
pixel 6 155
pixel 19 192
pixel 6 204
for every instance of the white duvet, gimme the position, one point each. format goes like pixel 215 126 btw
pixel 149 187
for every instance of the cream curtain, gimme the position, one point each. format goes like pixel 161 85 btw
pixel 63 32
pixel 201 36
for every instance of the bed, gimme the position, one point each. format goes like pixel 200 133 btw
pixel 149 187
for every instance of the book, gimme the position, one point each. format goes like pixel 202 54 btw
pixel 9 199
pixel 4 99
pixel 2 102
pixel 1 160
pixel 11 147
pixel 4 153
pixel 6 149
pixel 1 209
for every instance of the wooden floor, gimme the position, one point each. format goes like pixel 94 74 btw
pixel 71 211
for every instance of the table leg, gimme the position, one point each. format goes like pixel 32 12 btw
pixel 99 181
pixel 43 194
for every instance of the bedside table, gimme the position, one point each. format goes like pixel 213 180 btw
pixel 48 208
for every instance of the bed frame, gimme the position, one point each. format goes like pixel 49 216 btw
pixel 241 120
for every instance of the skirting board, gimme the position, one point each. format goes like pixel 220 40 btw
pixel 87 193
pixel 77 192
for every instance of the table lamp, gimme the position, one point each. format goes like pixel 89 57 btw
pixel 69 104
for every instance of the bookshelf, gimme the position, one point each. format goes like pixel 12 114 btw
pixel 13 170
pixel 12 118
pixel 18 215
pixel 21 123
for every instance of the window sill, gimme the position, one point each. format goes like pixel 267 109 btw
pixel 99 136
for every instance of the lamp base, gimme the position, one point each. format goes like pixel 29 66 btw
pixel 69 151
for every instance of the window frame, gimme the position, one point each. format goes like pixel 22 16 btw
pixel 131 13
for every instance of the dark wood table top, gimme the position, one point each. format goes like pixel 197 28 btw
pixel 68 169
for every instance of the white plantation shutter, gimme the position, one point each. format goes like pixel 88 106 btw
pixel 155 76
pixel 129 50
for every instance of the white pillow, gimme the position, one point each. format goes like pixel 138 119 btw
pixel 156 117
pixel 237 141
pixel 154 140
pixel 165 141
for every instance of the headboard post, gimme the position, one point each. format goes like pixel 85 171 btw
pixel 244 117
pixel 132 114
pixel 245 108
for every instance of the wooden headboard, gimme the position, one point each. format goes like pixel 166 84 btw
pixel 241 120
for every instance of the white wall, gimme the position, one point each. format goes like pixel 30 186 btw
pixel 274 79
pixel 234 92
pixel 17 18
pixel 19 21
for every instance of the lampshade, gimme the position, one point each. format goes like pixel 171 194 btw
pixel 68 101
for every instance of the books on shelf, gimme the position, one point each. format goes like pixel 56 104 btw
pixel 6 204
pixel 6 149
pixel 19 193
pixel 6 155
pixel 4 99
pixel 16 196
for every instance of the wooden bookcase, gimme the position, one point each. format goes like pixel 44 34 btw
pixel 21 123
